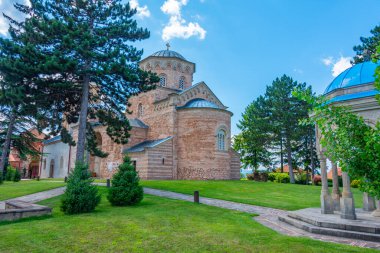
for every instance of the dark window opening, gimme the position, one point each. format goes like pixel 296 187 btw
pixel 163 160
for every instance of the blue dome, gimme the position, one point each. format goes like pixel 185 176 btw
pixel 359 74
pixel 200 103
pixel 168 54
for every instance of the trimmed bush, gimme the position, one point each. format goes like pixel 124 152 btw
pixel 300 178
pixel 16 176
pixel 10 173
pixel 355 183
pixel 125 189
pixel 264 176
pixel 272 176
pixel 80 195
pixel 282 178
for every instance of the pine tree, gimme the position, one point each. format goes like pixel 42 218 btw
pixel 29 87
pixel 285 112
pixel 80 196
pixel 125 189
pixel 254 141
pixel 93 38
pixel 366 51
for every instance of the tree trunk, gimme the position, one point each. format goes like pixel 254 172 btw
pixel 7 142
pixel 290 163
pixel 83 120
pixel 282 156
pixel 312 159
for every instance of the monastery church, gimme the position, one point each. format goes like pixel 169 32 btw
pixel 179 130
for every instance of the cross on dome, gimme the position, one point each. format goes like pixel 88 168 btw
pixel 167 46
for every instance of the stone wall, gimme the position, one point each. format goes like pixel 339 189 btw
pixel 198 157
pixel 161 161
pixel 235 164
pixel 172 68
pixel 141 159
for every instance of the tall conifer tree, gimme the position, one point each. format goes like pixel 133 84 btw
pixel 95 39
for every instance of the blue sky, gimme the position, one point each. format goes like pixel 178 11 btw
pixel 240 47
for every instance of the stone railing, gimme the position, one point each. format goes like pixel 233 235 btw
pixel 16 209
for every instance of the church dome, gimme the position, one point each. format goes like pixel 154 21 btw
pixel 168 54
pixel 359 74
pixel 200 103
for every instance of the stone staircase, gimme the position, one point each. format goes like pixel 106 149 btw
pixel 364 228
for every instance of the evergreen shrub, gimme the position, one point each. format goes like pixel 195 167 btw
pixel 80 195
pixel 9 175
pixel 125 189
pixel 16 176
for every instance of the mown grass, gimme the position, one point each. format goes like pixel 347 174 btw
pixel 10 190
pixel 155 225
pixel 268 194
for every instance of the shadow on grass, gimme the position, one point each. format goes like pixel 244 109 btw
pixel 28 219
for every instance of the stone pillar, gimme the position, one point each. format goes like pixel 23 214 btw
pixel 376 213
pixel 368 202
pixel 335 191
pixel 347 206
pixel 327 206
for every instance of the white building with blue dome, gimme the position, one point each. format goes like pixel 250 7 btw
pixel 355 89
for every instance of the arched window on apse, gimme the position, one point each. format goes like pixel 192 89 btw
pixel 221 140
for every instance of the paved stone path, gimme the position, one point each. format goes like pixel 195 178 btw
pixel 267 216
pixel 39 196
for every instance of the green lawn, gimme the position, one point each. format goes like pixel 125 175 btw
pixel 10 190
pixel 155 225
pixel 282 196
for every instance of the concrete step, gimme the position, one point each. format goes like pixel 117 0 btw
pixel 368 228
pixel 329 231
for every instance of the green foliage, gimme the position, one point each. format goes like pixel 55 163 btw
pixel 16 176
pixel 125 189
pixel 10 174
pixel 80 195
pixel 367 50
pixel 349 140
pixel 278 177
pixel 355 183
pixel 282 178
pixel 1 177
pixel 272 176
pixel 301 178
pixel 269 125
pixel 92 43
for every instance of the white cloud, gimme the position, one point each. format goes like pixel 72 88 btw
pixel 178 27
pixel 337 65
pixel 142 11
pixel 8 8
pixel 328 60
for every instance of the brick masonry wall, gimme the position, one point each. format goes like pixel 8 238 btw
pixel 198 157
pixel 161 161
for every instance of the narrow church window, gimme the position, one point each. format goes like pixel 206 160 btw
pixel 140 111
pixel 163 80
pixel 163 161
pixel 181 82
pixel 61 163
pixel 221 139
